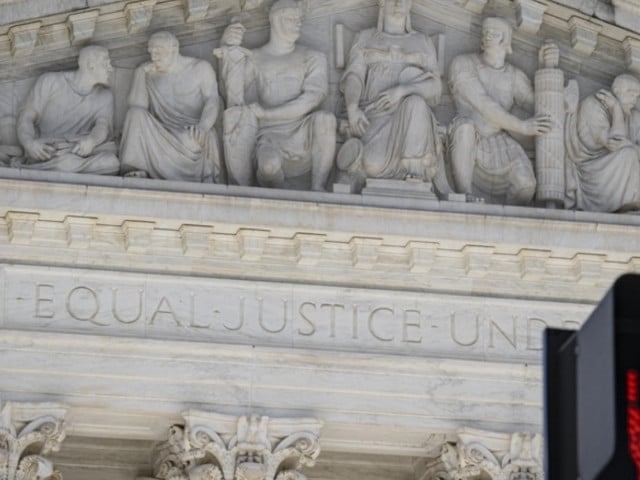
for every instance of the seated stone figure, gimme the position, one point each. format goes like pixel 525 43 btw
pixel 486 161
pixel 391 79
pixel 286 142
pixel 66 121
pixel 603 151
pixel 173 105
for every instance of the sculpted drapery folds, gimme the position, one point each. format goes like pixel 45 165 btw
pixel 276 134
pixel 66 122
pixel 391 79
pixel 173 105
pixel 604 159
pixel 485 159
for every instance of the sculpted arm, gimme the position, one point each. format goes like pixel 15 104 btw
pixel 27 121
pixel 429 85
pixel 209 89
pixel 99 133
pixel 26 124
pixel 607 121
pixel 466 86
pixel 138 95
pixel 523 92
pixel 352 86
pixel 429 89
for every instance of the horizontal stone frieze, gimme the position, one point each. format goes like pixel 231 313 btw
pixel 280 314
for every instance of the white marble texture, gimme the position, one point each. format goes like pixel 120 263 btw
pixel 83 255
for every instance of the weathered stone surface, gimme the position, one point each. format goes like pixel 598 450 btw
pixel 395 317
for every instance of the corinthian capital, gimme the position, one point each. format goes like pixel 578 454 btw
pixel 28 433
pixel 501 456
pixel 220 447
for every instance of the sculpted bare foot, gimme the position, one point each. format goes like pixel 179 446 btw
pixel 137 174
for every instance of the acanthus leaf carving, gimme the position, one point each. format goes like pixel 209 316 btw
pixel 220 447
pixel 23 447
pixel 501 456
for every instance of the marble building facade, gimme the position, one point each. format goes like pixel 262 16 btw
pixel 202 281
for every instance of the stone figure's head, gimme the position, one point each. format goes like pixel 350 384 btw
pixel 164 49
pixel 94 61
pixel 400 9
pixel 285 18
pixel 496 34
pixel 626 88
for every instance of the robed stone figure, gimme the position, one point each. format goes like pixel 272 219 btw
pixel 169 129
pixel 391 81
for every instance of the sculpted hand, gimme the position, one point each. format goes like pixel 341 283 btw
pixel 358 121
pixel 38 150
pixel 233 35
pixel 389 99
pixel 549 55
pixel 84 147
pixel 607 98
pixel 197 134
pixel 616 142
pixel 149 67
pixel 538 125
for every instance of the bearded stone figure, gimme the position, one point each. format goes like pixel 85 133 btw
pixel 169 129
pixel 601 143
pixel 66 123
pixel 391 80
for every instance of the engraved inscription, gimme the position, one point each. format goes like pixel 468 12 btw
pixel 288 315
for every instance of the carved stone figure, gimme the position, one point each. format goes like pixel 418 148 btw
pixel 173 106
pixel 604 157
pixel 391 79
pixel 485 158
pixel 66 122
pixel 276 134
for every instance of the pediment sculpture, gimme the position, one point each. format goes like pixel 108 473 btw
pixel 473 125
pixel 391 79
pixel 66 122
pixel 173 105
pixel 275 133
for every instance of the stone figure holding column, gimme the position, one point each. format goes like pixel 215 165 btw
pixel 275 136
pixel 66 123
pixel 486 160
pixel 604 157
pixel 391 80
pixel 168 132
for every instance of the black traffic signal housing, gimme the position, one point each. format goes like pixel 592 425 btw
pixel 592 391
